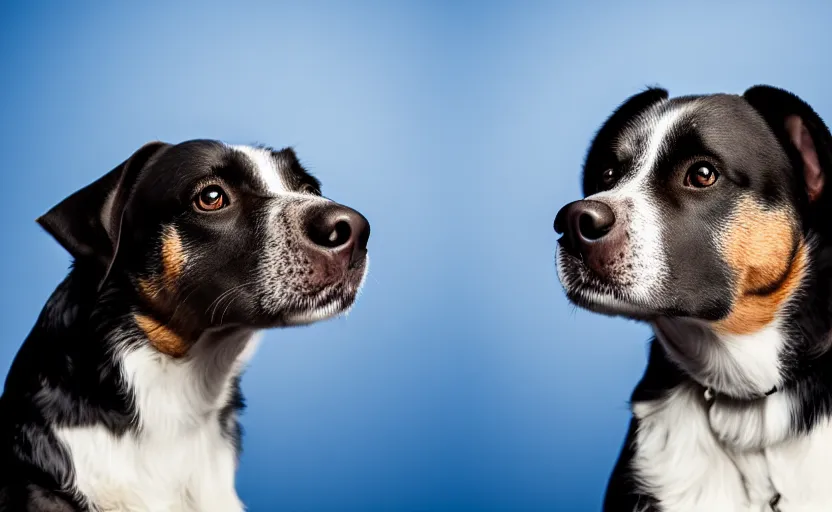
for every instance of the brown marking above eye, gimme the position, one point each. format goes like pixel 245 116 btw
pixel 211 198
pixel 769 259
pixel 701 175
pixel 161 337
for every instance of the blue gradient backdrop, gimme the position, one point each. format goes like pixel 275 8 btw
pixel 462 380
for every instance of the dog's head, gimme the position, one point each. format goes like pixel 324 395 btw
pixel 702 207
pixel 206 234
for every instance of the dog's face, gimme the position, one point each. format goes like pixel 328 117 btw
pixel 208 234
pixel 696 207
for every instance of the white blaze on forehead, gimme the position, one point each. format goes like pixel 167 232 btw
pixel 645 140
pixel 266 168
pixel 660 130
pixel 648 138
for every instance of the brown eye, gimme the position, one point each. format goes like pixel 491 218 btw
pixel 700 175
pixel 608 178
pixel 211 198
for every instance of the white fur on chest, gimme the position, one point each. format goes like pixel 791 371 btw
pixel 148 473
pixel 179 460
pixel 680 461
pixel 800 470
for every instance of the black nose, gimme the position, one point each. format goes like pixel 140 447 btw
pixel 340 230
pixel 583 222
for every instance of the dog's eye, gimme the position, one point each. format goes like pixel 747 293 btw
pixel 700 175
pixel 211 198
pixel 608 178
pixel 308 189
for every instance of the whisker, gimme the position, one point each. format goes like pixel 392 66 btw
pixel 227 294
pixel 230 302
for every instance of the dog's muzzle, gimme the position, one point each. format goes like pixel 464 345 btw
pixel 589 232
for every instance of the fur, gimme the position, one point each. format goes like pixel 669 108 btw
pixel 706 217
pixel 126 394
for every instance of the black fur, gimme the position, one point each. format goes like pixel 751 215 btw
pixel 753 150
pixel 68 370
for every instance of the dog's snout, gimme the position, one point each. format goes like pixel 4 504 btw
pixel 341 231
pixel 587 220
pixel 584 222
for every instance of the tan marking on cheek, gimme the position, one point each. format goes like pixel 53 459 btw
pixel 149 288
pixel 161 337
pixel 173 258
pixel 164 283
pixel 768 268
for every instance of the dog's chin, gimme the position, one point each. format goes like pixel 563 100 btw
pixel 588 291
pixel 318 313
pixel 336 299
pixel 609 304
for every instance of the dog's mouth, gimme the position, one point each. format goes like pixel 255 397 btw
pixel 334 299
pixel 588 290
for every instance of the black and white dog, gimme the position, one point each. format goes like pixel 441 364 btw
pixel 126 393
pixel 710 218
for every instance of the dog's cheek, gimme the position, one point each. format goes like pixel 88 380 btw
pixel 160 289
pixel 272 271
pixel 285 263
pixel 767 256
pixel 173 258
pixel 168 265
pixel 163 339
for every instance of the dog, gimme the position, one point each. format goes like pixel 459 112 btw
pixel 126 393
pixel 709 217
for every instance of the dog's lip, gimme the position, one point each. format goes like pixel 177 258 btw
pixel 562 247
pixel 581 269
pixel 360 261
pixel 607 304
pixel 587 290
pixel 331 301
pixel 329 307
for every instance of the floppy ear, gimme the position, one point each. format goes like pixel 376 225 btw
pixel 631 107
pixel 801 131
pixel 88 223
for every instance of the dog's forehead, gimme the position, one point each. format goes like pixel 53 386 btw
pixel 720 125
pixel 649 130
pixel 716 119
pixel 643 140
pixel 270 170
pixel 263 169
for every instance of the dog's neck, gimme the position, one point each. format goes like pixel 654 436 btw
pixel 744 367
pixel 175 394
pixel 748 366
pixel 97 355
pixel 181 391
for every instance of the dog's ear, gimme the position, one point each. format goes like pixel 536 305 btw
pixel 88 222
pixel 802 132
pixel 631 107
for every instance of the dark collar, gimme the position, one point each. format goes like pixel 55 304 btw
pixel 711 395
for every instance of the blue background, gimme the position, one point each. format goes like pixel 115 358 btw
pixel 462 380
